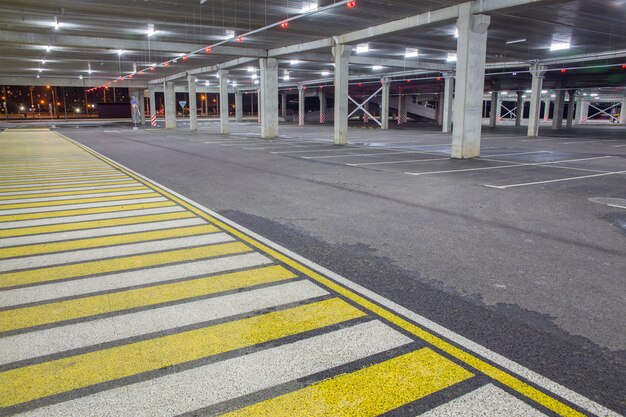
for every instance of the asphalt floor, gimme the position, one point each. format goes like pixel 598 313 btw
pixel 495 284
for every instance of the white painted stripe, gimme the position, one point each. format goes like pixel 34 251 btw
pixel 502 187
pixel 82 206
pixel 104 231
pixel 61 190
pixel 75 336
pixel 47 292
pixel 204 386
pixel 487 400
pixel 469 345
pixel 72 197
pixel 447 158
pixel 514 165
pixel 86 255
pixel 70 177
pixel 89 217
pixel 65 184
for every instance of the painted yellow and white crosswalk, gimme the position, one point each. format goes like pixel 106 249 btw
pixel 120 298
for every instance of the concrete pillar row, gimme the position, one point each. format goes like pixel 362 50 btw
pixel 546 113
pixel 170 105
pixel 494 113
pixel 341 53
pixel 570 108
pixel 193 105
pixel 584 111
pixel 622 112
pixel 269 98
pixel 384 110
pixel 239 106
pixel 260 105
pixel 224 128
pixel 537 72
pixel 519 113
pixel 301 110
pixel 448 101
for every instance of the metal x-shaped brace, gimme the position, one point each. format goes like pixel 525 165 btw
pixel 600 111
pixel 511 111
pixel 360 107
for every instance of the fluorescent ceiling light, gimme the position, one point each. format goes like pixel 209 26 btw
pixel 48 48
pixel 43 61
pixel 451 57
pixel 207 83
pixel 528 91
pixel 559 46
pixel 120 52
pixel 504 93
pixel 57 24
pixel 256 81
pixel 456 32
pixel 229 34
pixel 544 91
pixel 309 6
pixel 254 76
pixel 325 73
pixel 362 48
pixel 294 62
pixel 250 69
pixel 516 41
pixel 80 77
pixel 286 76
pixel 594 94
pixel 377 67
pixel 150 31
pixel 411 53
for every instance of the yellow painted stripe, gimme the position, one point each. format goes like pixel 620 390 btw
pixel 76 201
pixel 54 273
pixel 28 169
pixel 73 186
pixel 78 212
pixel 43 176
pixel 68 193
pixel 503 377
pixel 77 178
pixel 35 230
pixel 22 318
pixel 97 242
pixel 368 392
pixel 63 375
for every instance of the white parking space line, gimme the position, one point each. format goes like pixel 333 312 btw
pixel 513 165
pixel 437 159
pixel 503 187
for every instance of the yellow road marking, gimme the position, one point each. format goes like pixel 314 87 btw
pixel 76 201
pixel 60 181
pixel 43 176
pixel 501 376
pixel 54 273
pixel 62 375
pixel 368 392
pixel 35 230
pixel 76 186
pixel 96 242
pixel 22 318
pixel 77 193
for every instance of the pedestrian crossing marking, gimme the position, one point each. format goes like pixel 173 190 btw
pixel 368 392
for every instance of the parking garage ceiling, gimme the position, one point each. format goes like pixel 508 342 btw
pixel 108 39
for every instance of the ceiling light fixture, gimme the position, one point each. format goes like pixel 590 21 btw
pixel 294 62
pixel 362 48
pixel 559 46
pixel 309 6
pixel 411 53
pixel 377 67
pixel 150 32
pixel 516 41
pixel 325 73
pixel 57 24
pixel 451 57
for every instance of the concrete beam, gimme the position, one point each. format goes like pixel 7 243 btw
pixel 70 82
pixel 203 70
pixel 86 42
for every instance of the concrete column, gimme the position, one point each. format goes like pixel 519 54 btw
pixel 224 128
pixel 402 112
pixel 559 106
pixel 322 97
pixel 384 110
pixel 448 100
pixel 239 106
pixel 519 114
pixel 495 109
pixel 152 93
pixel 269 98
pixel 193 105
pixel 570 108
pixel 440 109
pixel 538 72
pixel 578 112
pixel 470 82
pixel 366 117
pixel 622 112
pixel 260 105
pixel 170 106
pixel 546 113
pixel 141 103
pixel 584 111
pixel 341 54
pixel 283 105
pixel 301 112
